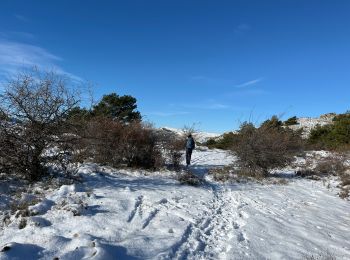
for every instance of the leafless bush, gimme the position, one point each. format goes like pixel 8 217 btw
pixel 141 146
pixel 344 185
pixel 175 151
pixel 222 174
pixel 189 178
pixel 102 141
pixel 112 142
pixel 254 172
pixel 35 104
pixel 267 147
pixel 190 129
pixel 331 166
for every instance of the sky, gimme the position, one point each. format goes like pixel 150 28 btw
pixel 212 63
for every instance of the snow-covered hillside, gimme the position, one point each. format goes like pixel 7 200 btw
pixel 140 215
pixel 200 137
pixel 309 123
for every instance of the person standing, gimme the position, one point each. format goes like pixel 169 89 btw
pixel 190 145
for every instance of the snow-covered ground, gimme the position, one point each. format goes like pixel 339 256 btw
pixel 138 215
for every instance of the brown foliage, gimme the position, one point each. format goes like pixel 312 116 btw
pixel 112 142
pixel 267 147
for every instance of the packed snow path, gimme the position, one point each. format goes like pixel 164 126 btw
pixel 127 215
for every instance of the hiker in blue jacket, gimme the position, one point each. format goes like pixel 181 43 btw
pixel 190 145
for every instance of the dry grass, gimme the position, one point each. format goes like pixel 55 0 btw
pixel 222 174
pixel 327 255
pixel 188 178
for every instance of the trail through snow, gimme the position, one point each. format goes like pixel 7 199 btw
pixel 130 215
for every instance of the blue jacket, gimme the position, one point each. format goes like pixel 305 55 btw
pixel 190 144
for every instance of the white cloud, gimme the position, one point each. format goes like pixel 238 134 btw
pixel 15 56
pixel 249 83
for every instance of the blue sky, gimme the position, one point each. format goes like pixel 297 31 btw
pixel 215 63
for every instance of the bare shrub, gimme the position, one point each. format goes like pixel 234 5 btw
pixel 344 185
pixel 102 141
pixel 141 146
pixel 35 104
pixel 190 129
pixel 326 255
pixel 331 166
pixel 175 151
pixel 222 174
pixel 252 172
pixel 111 142
pixel 267 147
pixel 189 178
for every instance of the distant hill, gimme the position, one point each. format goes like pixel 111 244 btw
pixel 200 137
pixel 309 123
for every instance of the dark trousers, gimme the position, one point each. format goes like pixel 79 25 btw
pixel 188 155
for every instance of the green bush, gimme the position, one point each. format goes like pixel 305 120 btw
pixel 272 123
pixel 121 108
pixel 334 136
pixel 291 121
pixel 225 142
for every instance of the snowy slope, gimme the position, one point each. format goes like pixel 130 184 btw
pixel 130 215
pixel 200 137
pixel 309 123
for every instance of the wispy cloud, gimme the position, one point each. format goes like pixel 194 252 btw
pixel 249 83
pixel 243 27
pixel 17 35
pixel 167 114
pixel 21 17
pixel 15 56
pixel 206 106
pixel 211 80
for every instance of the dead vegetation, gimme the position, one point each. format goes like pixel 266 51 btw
pixel 113 143
pixel 333 165
pixel 267 147
pixel 189 178
pixel 222 174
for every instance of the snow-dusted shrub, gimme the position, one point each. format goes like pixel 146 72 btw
pixel 267 147
pixel 189 178
pixel 35 104
pixel 222 174
pixel 344 185
pixel 331 166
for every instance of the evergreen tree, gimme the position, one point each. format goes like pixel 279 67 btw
pixel 121 108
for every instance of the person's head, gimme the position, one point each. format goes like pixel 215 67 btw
pixel 189 135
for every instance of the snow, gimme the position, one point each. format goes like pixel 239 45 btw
pixel 309 123
pixel 131 214
pixel 200 137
